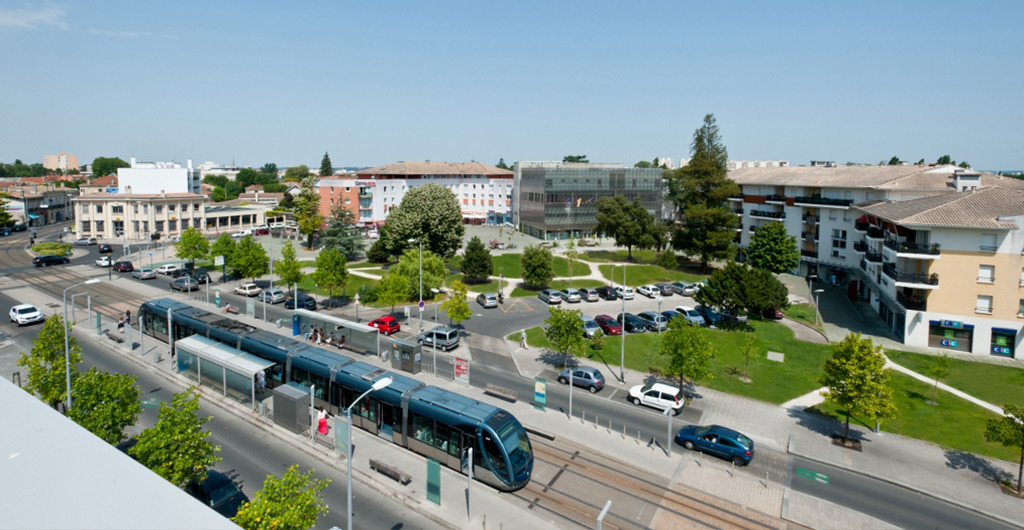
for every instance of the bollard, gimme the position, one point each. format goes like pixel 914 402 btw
pixel 583 419
pixel 16 378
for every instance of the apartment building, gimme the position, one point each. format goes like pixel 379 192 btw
pixel 355 195
pixel 159 216
pixel 61 162
pixel 158 177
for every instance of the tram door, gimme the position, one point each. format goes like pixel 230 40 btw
pixel 389 415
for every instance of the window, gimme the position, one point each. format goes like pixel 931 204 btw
pixel 159 208
pixel 99 208
pixel 117 209
pixel 172 225
pixel 135 209
pixel 145 208
pixel 170 208
pixel 1003 341
pixel 99 226
pixel 838 240
pixel 184 206
pixel 135 226
pixel 836 254
pixel 145 226
pixel 1022 277
pixel 984 305
pixel 159 226
pixel 1020 308
pixel 986 274
pixel 988 242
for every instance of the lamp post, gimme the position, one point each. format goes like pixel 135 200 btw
pixel 659 312
pixel 434 341
pixel 67 348
pixel 622 361
pixel 420 305
pixel 377 385
pixel 816 305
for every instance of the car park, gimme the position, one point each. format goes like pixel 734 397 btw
pixel 24 314
pixel 387 324
pixel 719 441
pixel 85 242
pixel 305 302
pixel 104 261
pixel 49 259
pixel 590 327
pixel 218 492
pixel 669 314
pixel 590 294
pixel 272 296
pixel 664 289
pixel 248 289
pixel 657 395
pixel 144 274
pixel 607 292
pixel 123 266
pixel 657 321
pixel 583 376
pixel 571 295
pixel 624 292
pixel 185 283
pixel 550 296
pixel 104 249
pixel 711 317
pixel 487 300
pixel 608 325
pixel 632 323
pixel 443 337
pixel 691 315
pixel 167 268
pixel 649 291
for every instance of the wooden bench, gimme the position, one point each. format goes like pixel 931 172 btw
pixel 390 471
pixel 502 392
pixel 114 337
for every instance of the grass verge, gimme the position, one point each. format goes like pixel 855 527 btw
pixel 57 249
pixel 993 383
pixel 802 313
pixel 645 274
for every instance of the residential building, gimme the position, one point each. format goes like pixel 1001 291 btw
pixel 104 184
pixel 557 200
pixel 158 216
pixel 737 164
pixel 40 205
pixel 355 195
pixel 147 178
pixel 61 162
pixel 213 168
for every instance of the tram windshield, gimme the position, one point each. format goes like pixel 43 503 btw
pixel 517 445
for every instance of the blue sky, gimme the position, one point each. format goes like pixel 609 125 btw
pixel 376 82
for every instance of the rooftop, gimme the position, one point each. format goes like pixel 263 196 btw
pixel 983 208
pixel 409 169
pixel 126 196
pixel 873 177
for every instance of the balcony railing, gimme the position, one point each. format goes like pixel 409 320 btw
pixel 912 303
pixel 824 201
pixel 736 197
pixel 875 233
pixel 860 246
pixel 775 198
pixel 911 248
pixel 768 214
pixel 922 279
pixel 873 257
pixel 809 236
pixel 988 248
pixel 860 226
pixel 811 219
pixel 809 253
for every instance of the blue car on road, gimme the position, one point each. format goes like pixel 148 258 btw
pixel 719 441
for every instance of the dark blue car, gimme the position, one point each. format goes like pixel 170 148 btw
pixel 719 441
pixel 711 317
pixel 305 302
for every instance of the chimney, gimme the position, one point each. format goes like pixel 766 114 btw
pixel 132 161
pixel 190 163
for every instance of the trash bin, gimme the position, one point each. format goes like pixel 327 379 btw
pixel 156 356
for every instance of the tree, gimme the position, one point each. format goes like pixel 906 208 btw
pixel 660 231
pixel 597 340
pixel 762 291
pixel 945 159
pixel 288 268
pixel 476 261
pixel 47 375
pixel 105 403
pixel 726 289
pixel 1009 431
pixel 628 222
pixel 296 173
pixel 342 233
pixel 688 349
pixel 667 260
pixel 857 380
pixel 292 501
pixel 773 250
pixel 269 169
pixel 575 158
pixel 707 232
pixel 456 305
pixel 429 213
pixel 565 332
pixel 643 164
pixel 103 166
pixel 192 245
pixel 250 259
pixel 749 343
pixel 216 180
pixel 326 169
pixel 246 177
pixel 502 164
pixel 939 372
pixel 5 216
pixel 218 195
pixel 571 256
pixel 393 289
pixel 307 210
pixel 964 165
pixel 378 253
pixel 537 266
pixel 895 161
pixel 919 162
pixel 224 245
pixel 177 448
pixel 434 272
pixel 330 273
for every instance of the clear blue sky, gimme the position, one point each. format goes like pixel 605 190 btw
pixel 376 82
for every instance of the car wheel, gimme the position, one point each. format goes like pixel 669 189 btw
pixel 419 341
pixel 635 401
pixel 737 461
pixel 593 389
pixel 688 445
pixel 563 380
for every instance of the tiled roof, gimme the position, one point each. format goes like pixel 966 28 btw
pixel 939 178
pixel 108 180
pixel 967 209
pixel 436 168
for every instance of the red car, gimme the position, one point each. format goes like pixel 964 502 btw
pixel 608 325
pixel 386 324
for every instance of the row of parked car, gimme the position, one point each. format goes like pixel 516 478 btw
pixel 610 292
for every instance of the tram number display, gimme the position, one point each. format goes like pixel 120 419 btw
pixel 462 370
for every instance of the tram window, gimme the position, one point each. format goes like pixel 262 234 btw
pixel 494 455
pixel 447 439
pixel 423 429
pixel 335 395
pixel 368 409
pixel 305 378
pixel 157 325
pixel 276 373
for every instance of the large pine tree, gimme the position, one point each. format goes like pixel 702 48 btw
pixel 326 169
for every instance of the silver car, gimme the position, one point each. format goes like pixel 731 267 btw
pixel 550 296
pixel 487 300
pixel 571 295
pixel 589 326
pixel 589 294
pixel 144 274
pixel 273 296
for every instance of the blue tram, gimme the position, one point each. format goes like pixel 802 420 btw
pixel 425 419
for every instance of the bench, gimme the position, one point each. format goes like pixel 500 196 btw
pixel 390 471
pixel 114 337
pixel 502 392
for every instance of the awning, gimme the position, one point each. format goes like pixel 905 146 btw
pixel 33 216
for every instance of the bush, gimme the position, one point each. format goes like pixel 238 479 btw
pixel 667 260
pixel 57 249
pixel 597 341
pixel 377 253
pixel 368 293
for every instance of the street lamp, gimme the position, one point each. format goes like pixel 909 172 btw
pixel 67 349
pixel 377 385
pixel 622 361
pixel 420 306
pixel 659 312
pixel 434 340
pixel 816 306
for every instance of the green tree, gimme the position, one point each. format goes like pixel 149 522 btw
pixel 326 169
pixel 660 232
pixel 5 216
pixel 192 246
pixel 939 372
pixel 628 222
pixel 293 501
pixel 331 273
pixel 773 250
pixel 47 374
pixel 964 164
pixel 945 159
pixel 857 380
pixel 565 332
pixel 537 266
pixel 250 259
pixel 597 340
pixel 726 288
pixel 895 161
pixel 296 173
pixel 218 195
pixel 177 448
pixel 429 213
pixel 269 169
pixel 689 351
pixel 342 233
pixel 216 180
pixel 393 289
pixel 575 158
pixel 288 268
pixel 246 177
pixel 919 162
pixel 434 272
pixel 105 403
pixel 749 344
pixel 643 164
pixel 1009 431
pixel 667 260
pixel 378 253
pixel 103 166
pixel 707 232
pixel 476 263
pixel 307 210
pixel 225 246
pixel 502 164
pixel 456 305
pixel 232 190
pixel 763 291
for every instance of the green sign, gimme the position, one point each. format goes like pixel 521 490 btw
pixel 341 434
pixel 434 481
pixel 540 395
pixel 812 475
pixel 99 324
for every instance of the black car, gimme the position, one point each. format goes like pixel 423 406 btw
pixel 608 293
pixel 711 317
pixel 632 323
pixel 104 249
pixel 218 492
pixel 49 259
pixel 180 273
pixel 305 302
pixel 201 276
pixel 123 266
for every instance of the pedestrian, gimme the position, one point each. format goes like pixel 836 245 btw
pixel 128 318
pixel 341 341
pixel 120 324
pixel 522 339
pixel 321 419
pixel 319 337
pixel 261 381
pixel 833 280
pixel 174 366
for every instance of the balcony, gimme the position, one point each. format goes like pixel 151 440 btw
pixel 873 257
pixel 875 233
pixel 860 226
pixel 365 193
pixel 902 279
pixel 775 198
pixel 912 303
pixel 811 237
pixel 860 247
pixel 822 201
pixel 904 247
pixel 764 214
pixel 809 253
pixel 811 219
pixel 736 197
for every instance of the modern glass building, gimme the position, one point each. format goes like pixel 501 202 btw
pixel 558 200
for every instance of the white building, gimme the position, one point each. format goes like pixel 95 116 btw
pixel 159 177
pixel 737 164
pixel 224 170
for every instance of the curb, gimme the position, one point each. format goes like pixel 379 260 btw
pixel 812 328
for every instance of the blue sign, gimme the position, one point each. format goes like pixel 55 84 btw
pixel 421 304
pixel 950 343
pixel 1001 350
pixel 952 324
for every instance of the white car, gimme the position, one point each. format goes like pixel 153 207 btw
pixel 659 396
pixel 690 314
pixel 103 261
pixel 649 291
pixel 242 233
pixel 25 314
pixel 167 269
pixel 248 289
pixel 624 293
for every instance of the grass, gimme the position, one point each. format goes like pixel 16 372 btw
pixel 993 383
pixel 558 285
pixel 511 266
pixel 645 274
pixel 353 285
pixel 802 313
pixel 646 257
pixel 953 422
pixel 57 249
pixel 487 287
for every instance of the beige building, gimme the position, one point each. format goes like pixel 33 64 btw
pixel 61 162
pixel 158 216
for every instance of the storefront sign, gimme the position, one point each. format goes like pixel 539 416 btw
pixel 462 370
pixel 539 393
pixel 950 343
pixel 952 324
pixel 1001 350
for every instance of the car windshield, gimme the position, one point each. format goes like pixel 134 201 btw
pixel 223 493
pixel 26 310
pixel 693 313
pixel 590 324
pixel 645 388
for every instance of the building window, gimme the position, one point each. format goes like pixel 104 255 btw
pixel 170 208
pixel 145 208
pixel 984 305
pixel 1003 342
pixel 184 224
pixel 99 226
pixel 135 209
pixel 838 239
pixel 159 226
pixel 184 207
pixel 172 225
pixel 986 274
pixel 159 208
pixel 988 242
pixel 950 335
pixel 145 226
pixel 99 208
pixel 135 226
pixel 117 209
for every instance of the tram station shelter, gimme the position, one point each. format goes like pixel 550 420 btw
pixel 220 367
pixel 358 337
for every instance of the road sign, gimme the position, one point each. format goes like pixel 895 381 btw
pixel 812 475
pixel 217 260
pixel 421 305
pixel 462 370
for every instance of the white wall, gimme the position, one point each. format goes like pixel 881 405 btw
pixel 155 180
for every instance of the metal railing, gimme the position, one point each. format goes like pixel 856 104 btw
pixel 873 257
pixel 921 279
pixel 907 303
pixel 770 215
pixel 875 233
pixel 860 226
pixel 860 246
pixel 809 253
pixel 775 197
pixel 811 219
pixel 911 248
pixel 825 201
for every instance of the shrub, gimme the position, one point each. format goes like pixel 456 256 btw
pixel 377 253
pixel 597 341
pixel 667 260
pixel 57 249
pixel 368 293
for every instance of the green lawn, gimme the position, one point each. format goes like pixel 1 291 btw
pixel 511 266
pixel 557 285
pixel 802 313
pixel 645 274
pixel 648 257
pixel 993 383
pixel 488 287
pixel 953 422
pixel 57 249
pixel 353 285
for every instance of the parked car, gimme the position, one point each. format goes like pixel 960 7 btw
pixel 144 274
pixel 607 292
pixel 632 323
pixel 729 317
pixel 261 230
pixel 571 295
pixel 590 294
pixel 550 296
pixel 387 324
pixel 272 296
pixel 608 325
pixel 774 313
pixel 719 441
pixel 123 266
pixel 691 314
pixel 589 326
pixel 24 314
pixel 305 302
pixel 669 314
pixel 218 492
pixel 443 337
pixel 624 292
pixel 649 291
pixel 657 320
pixel 104 261
pixel 185 283
pixel 664 288
pixel 85 242
pixel 711 317
pixel 657 395
pixel 167 268
pixel 201 276
pixel 179 273
pixel 49 259
pixel 248 289
pixel 487 300
pixel 583 376
pixel 242 233
pixel 678 287
pixel 104 249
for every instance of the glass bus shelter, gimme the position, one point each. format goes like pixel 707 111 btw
pixel 220 367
